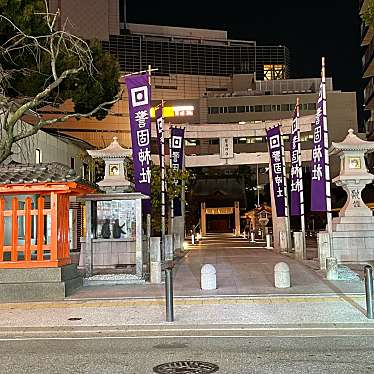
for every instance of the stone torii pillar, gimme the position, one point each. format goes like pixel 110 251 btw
pixel 203 219
pixel 237 218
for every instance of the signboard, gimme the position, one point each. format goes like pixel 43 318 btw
pixel 226 148
pixel 227 210
pixel 176 159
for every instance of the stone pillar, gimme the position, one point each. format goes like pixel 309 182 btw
pixel 279 223
pixel 177 243
pixel 299 245
pixel 155 258
pixel 268 241
pixel 282 241
pixel 203 219
pixel 139 238
pixel 324 248
pixel 169 253
pixel 237 218
pixel 178 226
pixel 88 248
pixel 331 268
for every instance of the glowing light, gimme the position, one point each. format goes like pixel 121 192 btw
pixel 175 111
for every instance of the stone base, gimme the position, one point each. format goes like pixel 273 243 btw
pixel 39 284
pixel 353 239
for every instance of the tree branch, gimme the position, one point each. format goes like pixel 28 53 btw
pixel 35 128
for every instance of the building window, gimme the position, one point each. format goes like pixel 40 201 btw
pixel 267 108
pixel 232 109
pixel 276 108
pixel 274 71
pixel 311 106
pixel 258 108
pixel 72 163
pixel 38 156
pixel 240 109
pixel 213 110
pixel 192 142
pixel 213 141
pixel 285 107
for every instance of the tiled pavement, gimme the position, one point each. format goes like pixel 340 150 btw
pixel 242 269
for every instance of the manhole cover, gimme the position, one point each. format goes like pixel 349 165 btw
pixel 186 367
pixel 74 319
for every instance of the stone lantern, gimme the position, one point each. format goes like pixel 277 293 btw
pixel 353 230
pixel 114 156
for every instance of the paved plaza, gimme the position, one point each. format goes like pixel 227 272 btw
pixel 245 296
pixel 242 268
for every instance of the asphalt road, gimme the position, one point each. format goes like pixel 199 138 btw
pixel 233 352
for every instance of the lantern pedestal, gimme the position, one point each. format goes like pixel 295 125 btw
pixel 352 239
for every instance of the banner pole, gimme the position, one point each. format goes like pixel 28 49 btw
pixel 163 186
pixel 287 211
pixel 327 161
pixel 302 212
pixel 171 200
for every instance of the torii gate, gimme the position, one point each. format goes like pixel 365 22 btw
pixel 222 210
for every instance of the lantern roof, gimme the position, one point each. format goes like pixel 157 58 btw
pixel 352 143
pixel 113 150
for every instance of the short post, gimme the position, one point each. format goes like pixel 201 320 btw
pixel 193 239
pixel 332 268
pixel 282 277
pixel 252 237
pixel 268 241
pixel 368 270
pixel 208 277
pixel 169 294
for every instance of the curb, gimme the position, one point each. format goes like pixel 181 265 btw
pixel 198 300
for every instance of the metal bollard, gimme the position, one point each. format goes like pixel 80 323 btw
pixel 369 291
pixel 169 295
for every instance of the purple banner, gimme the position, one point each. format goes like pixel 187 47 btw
pixel 139 92
pixel 276 153
pixel 318 165
pixel 296 169
pixel 159 130
pixel 176 157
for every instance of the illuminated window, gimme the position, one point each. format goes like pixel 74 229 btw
pixel 274 71
pixel 38 156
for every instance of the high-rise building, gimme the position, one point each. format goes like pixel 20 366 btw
pixel 367 42
pixel 191 63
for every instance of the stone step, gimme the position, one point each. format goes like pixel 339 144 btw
pixel 14 292
pixel 36 275
pixel 39 283
pixel 353 234
pixel 363 219
pixel 353 226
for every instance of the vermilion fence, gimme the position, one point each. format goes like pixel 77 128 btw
pixel 38 245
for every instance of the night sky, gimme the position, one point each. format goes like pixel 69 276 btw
pixel 329 28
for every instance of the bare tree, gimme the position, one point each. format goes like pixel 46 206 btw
pixel 44 50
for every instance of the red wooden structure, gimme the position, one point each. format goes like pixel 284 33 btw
pixel 45 227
